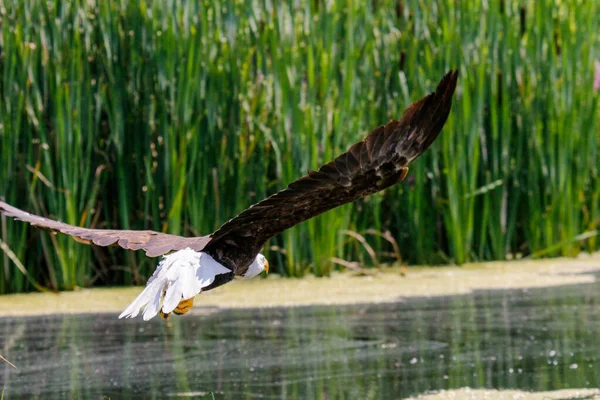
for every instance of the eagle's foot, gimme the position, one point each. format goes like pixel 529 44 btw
pixel 184 306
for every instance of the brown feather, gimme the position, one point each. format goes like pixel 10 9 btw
pixel 154 243
pixel 375 163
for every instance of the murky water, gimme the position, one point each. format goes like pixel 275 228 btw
pixel 540 339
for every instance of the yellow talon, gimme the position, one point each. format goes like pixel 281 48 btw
pixel 184 306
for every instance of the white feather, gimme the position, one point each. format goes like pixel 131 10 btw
pixel 189 285
pixel 179 276
pixel 144 298
pixel 208 270
pixel 172 296
pixel 152 308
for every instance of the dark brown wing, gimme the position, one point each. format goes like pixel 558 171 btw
pixel 375 163
pixel 154 243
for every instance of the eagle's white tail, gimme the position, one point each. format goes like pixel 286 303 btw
pixel 179 276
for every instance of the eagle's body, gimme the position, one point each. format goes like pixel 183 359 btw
pixel 371 165
pixel 182 275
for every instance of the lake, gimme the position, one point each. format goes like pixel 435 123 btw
pixel 535 339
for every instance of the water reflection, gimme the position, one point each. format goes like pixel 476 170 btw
pixel 541 339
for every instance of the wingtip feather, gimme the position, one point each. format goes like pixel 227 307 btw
pixel 426 117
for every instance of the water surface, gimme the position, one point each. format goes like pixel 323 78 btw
pixel 536 339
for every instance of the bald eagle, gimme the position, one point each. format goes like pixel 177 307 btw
pixel 196 264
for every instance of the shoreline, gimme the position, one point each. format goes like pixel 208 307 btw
pixel 509 394
pixel 341 288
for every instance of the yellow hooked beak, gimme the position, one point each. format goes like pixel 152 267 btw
pixel 266 266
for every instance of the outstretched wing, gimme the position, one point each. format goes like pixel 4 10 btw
pixel 154 243
pixel 377 162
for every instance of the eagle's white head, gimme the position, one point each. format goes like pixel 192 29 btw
pixel 259 265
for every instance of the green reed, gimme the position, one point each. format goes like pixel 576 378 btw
pixel 176 116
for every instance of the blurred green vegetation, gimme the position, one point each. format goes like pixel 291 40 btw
pixel 175 116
